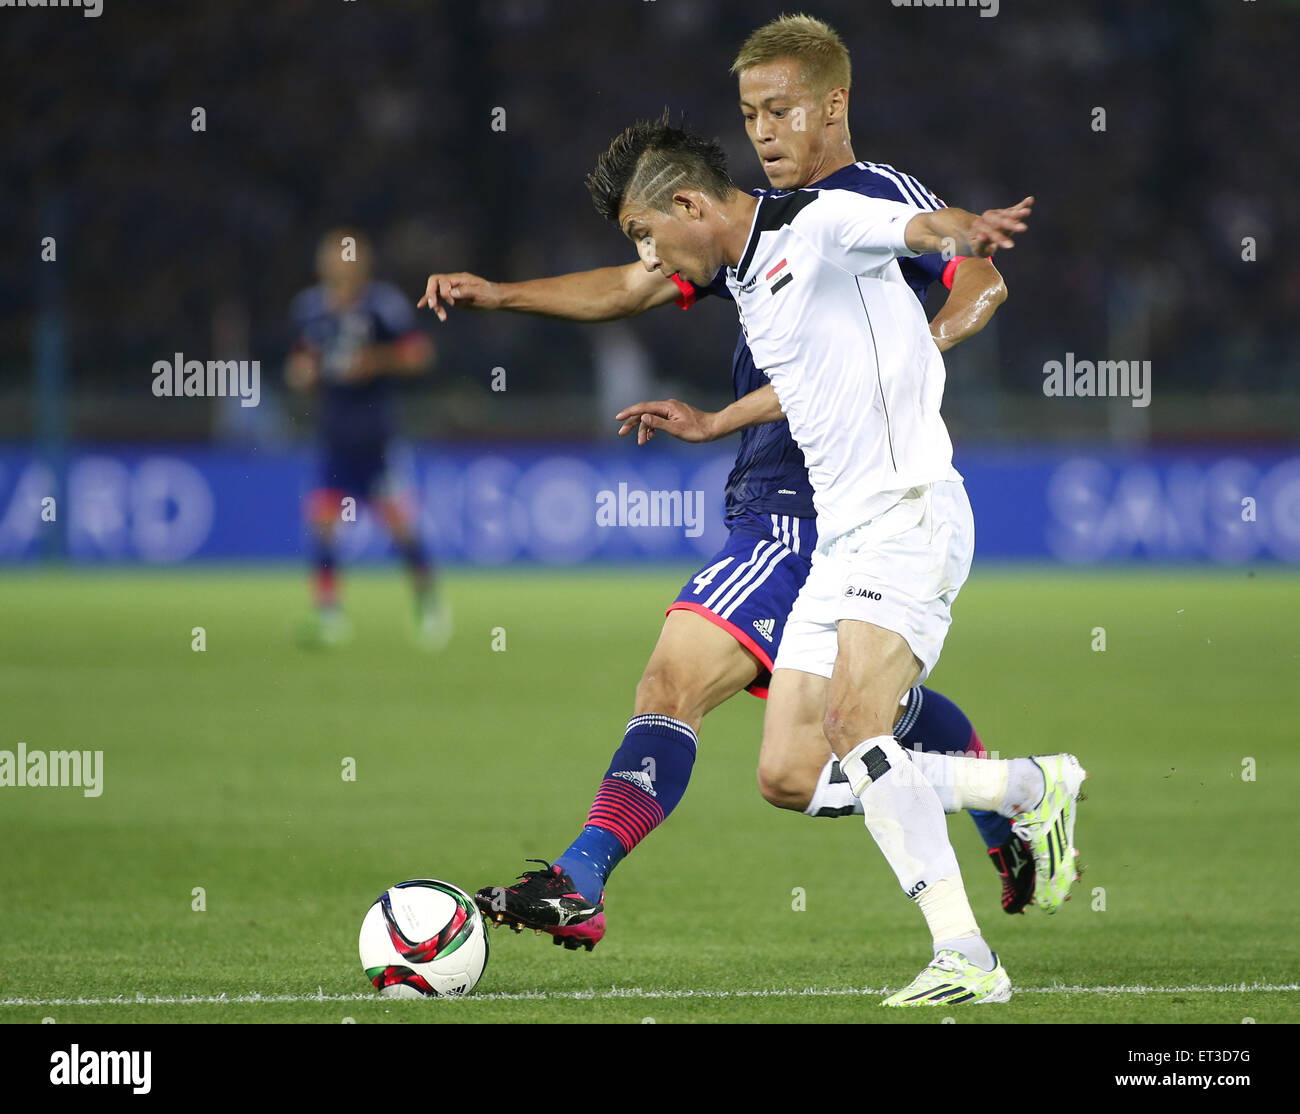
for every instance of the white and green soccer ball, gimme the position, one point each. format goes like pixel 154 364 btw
pixel 423 939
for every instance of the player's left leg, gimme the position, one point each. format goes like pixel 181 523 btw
pixel 794 751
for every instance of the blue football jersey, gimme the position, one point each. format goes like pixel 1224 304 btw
pixel 769 476
pixel 353 413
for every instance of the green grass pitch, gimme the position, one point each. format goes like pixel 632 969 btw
pixel 223 770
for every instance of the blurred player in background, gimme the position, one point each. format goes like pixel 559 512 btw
pixel 354 338
pixel 723 631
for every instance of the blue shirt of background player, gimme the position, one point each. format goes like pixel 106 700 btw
pixel 769 476
pixel 362 413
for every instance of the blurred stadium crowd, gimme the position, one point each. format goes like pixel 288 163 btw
pixel 171 239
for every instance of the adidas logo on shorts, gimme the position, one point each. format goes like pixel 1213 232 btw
pixel 765 627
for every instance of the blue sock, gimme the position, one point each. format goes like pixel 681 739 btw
pixel 646 778
pixel 934 723
pixel 590 859
pixel 993 827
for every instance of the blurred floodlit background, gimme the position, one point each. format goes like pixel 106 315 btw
pixel 1164 237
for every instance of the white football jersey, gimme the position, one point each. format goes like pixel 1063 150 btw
pixel 832 322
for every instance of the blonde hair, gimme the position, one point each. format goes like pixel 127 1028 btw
pixel 822 56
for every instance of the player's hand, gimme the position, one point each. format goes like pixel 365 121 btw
pixel 363 366
pixel 994 228
pixel 459 289
pixel 680 419
pixel 302 372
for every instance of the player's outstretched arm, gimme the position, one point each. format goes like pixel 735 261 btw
pixel 605 294
pixel 959 232
pixel 687 423
pixel 977 291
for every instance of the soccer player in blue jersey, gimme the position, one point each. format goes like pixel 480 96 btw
pixel 722 632
pixel 354 338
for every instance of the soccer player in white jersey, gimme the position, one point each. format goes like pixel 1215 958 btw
pixel 831 321
pixel 723 631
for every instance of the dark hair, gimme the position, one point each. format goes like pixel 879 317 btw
pixel 649 162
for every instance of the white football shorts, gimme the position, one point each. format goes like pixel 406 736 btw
pixel 901 571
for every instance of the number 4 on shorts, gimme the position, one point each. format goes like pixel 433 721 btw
pixel 707 576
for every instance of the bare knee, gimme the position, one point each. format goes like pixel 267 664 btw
pixel 842 729
pixel 785 789
pixel 849 723
pixel 785 784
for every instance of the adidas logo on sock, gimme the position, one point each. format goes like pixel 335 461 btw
pixel 639 778
pixel 765 627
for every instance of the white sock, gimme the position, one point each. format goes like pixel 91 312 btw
pixel 833 795
pixel 1025 787
pixel 902 813
pixel 978 783
pixel 972 947
pixel 948 913
pixel 940 777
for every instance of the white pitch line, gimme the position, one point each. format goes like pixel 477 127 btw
pixel 617 993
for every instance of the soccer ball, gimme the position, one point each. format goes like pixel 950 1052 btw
pixel 423 939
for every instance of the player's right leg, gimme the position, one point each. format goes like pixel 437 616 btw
pixel 327 625
pixel 695 666
pixel 903 812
